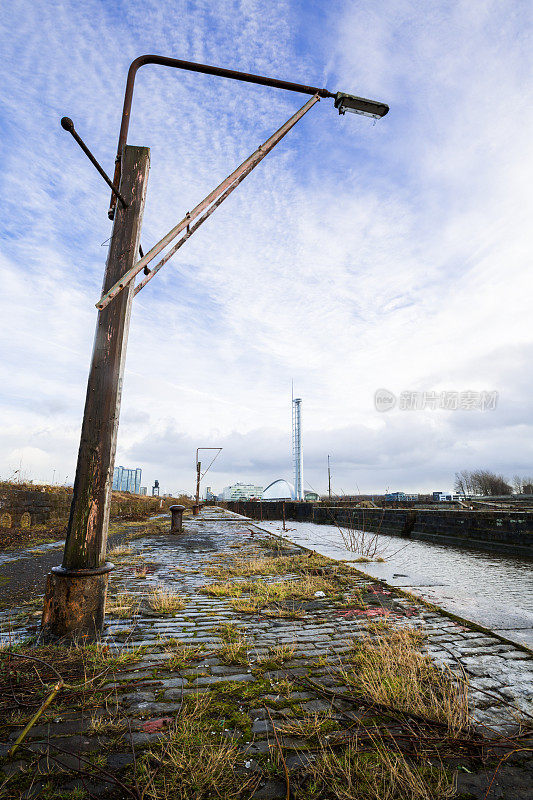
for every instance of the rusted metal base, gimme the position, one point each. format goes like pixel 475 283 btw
pixel 74 603
pixel 195 510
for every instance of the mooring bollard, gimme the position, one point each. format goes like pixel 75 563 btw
pixel 195 510
pixel 176 524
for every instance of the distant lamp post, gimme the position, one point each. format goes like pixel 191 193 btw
pixel 76 591
pixel 200 475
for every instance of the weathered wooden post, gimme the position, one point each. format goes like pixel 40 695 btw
pixel 74 603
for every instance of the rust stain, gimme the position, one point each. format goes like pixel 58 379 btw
pixel 92 521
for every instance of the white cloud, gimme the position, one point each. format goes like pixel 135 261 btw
pixel 355 256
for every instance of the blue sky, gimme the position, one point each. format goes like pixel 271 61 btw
pixel 356 256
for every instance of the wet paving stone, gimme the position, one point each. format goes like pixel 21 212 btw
pixel 316 639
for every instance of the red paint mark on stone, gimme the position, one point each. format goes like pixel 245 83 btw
pixel 372 612
pixel 153 725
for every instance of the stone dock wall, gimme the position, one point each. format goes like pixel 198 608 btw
pixel 23 506
pixel 505 532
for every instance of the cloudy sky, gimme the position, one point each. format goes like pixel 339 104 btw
pixel 357 256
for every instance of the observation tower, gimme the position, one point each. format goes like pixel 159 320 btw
pixel 297 449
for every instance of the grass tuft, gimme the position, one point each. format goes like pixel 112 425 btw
pixel 165 601
pixel 99 655
pixel 301 564
pixel 245 606
pixel 141 571
pixel 180 655
pixel 312 726
pixel 105 724
pixel 380 775
pixel 390 669
pixel 262 594
pixel 234 652
pixel 120 550
pixel 123 604
pixel 228 632
pixel 227 589
pixel 276 657
pixel 196 759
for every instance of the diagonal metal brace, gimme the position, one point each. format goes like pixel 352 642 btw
pixel 231 182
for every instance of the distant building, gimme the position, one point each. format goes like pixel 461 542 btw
pixel 143 490
pixel 311 497
pixel 127 480
pixel 442 497
pixel 401 496
pixel 242 491
pixel 209 494
pixel 155 489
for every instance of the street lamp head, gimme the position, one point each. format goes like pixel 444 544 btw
pixel 358 105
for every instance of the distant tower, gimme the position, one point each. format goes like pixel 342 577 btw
pixel 297 449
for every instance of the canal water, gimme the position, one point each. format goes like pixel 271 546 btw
pixel 491 589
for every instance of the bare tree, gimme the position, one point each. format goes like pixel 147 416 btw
pixel 523 485
pixel 488 483
pixel 463 483
pixel 527 486
pixel 481 481
pixel 518 484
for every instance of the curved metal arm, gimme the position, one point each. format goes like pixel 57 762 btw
pixel 192 67
pixel 208 448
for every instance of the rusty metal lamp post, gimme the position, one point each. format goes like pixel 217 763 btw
pixel 199 476
pixel 76 591
pixel 196 506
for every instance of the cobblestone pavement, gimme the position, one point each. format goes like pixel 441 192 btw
pixel 500 675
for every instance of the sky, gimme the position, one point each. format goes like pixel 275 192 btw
pixel 357 257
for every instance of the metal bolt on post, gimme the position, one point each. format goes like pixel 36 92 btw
pixel 176 524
